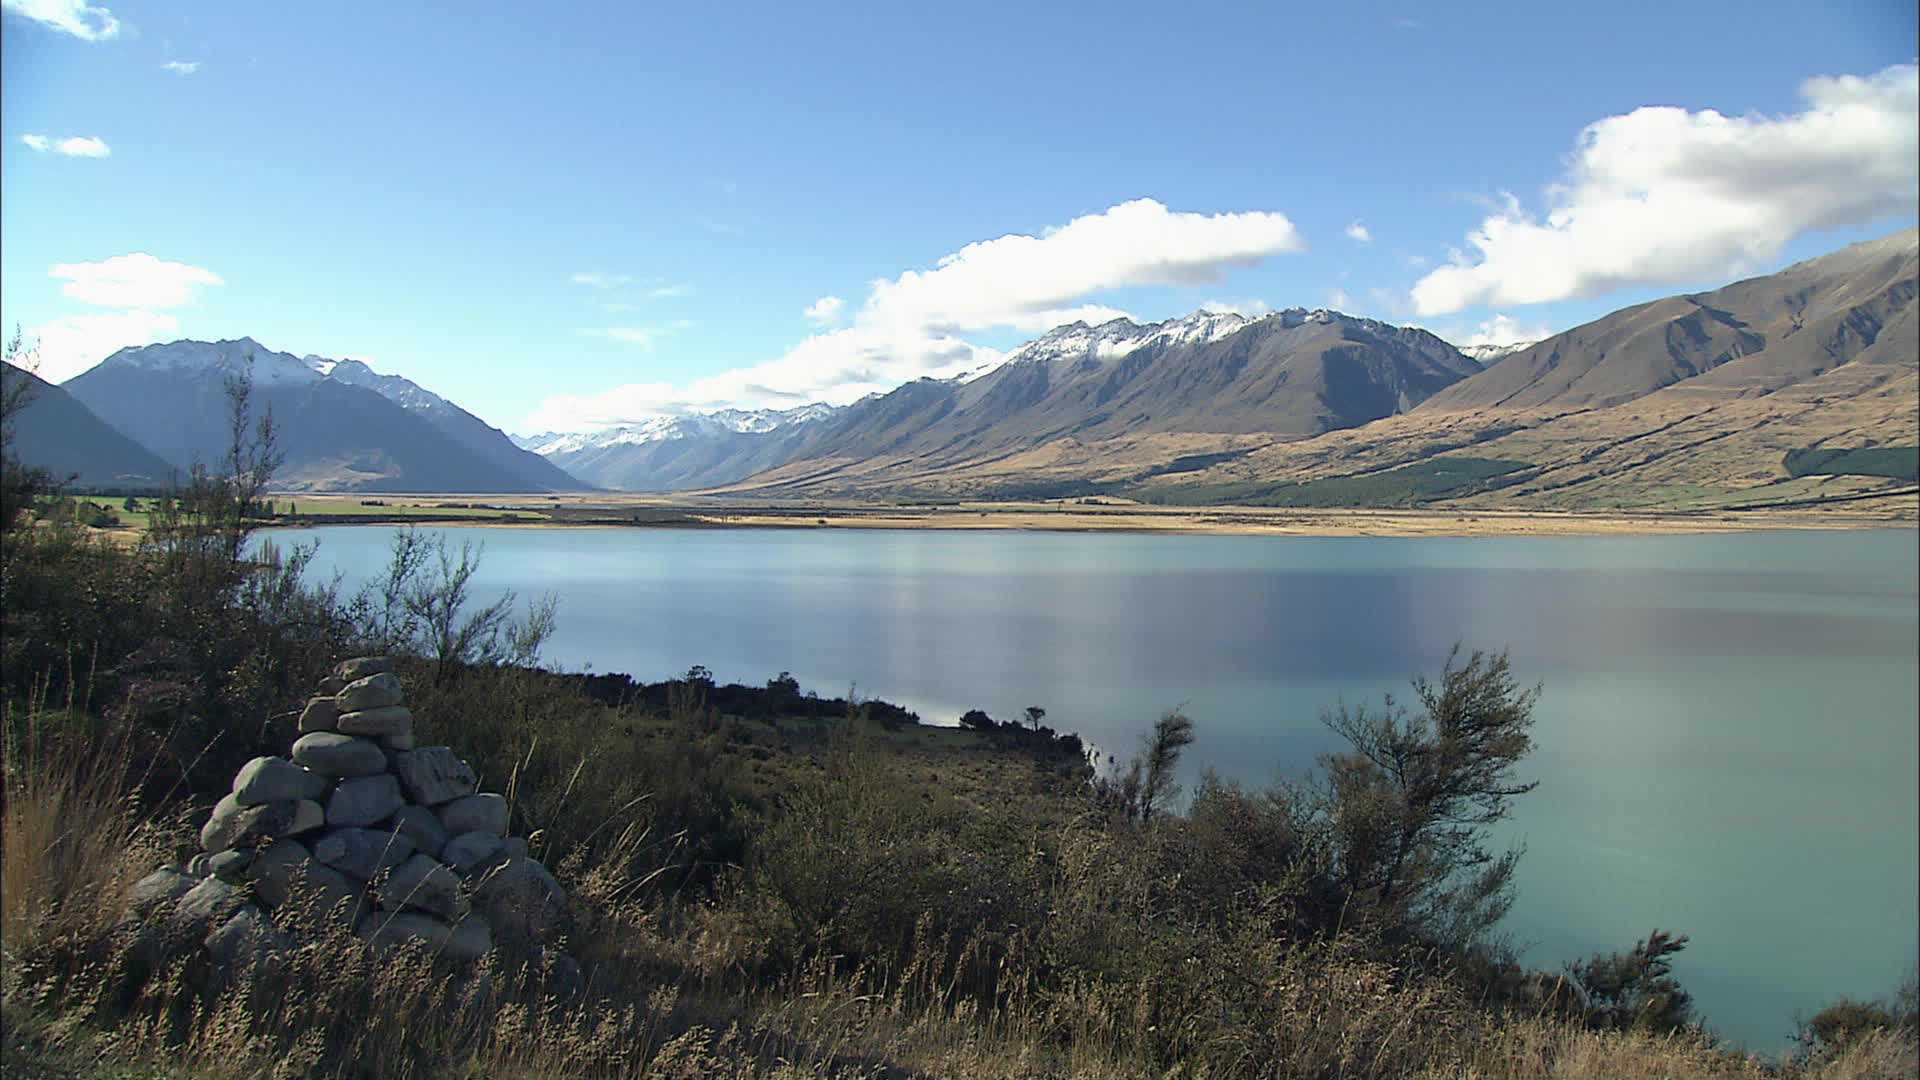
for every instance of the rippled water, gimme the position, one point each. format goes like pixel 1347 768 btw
pixel 1726 741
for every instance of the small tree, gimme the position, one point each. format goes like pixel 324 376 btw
pixel 1635 990
pixel 1035 714
pixel 1408 806
pixel 1159 757
pixel 977 720
pixel 20 485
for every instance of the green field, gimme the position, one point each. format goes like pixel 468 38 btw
pixel 1407 486
pixel 1896 462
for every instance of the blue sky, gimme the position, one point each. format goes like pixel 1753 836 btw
pixel 575 214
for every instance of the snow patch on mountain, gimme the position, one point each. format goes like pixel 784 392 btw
pixel 663 428
pixel 269 368
pixel 1487 354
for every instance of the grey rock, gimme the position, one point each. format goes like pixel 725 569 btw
pixel 522 902
pixel 272 779
pixel 203 907
pixel 158 889
pixel 514 847
pixel 386 720
pixel 422 883
pixel 470 851
pixel 231 866
pixel 332 754
pixel 246 939
pixel 372 692
pixel 471 939
pixel 330 686
pixel 432 775
pixel 362 852
pixel 475 813
pixel 274 868
pixel 360 667
pixel 232 825
pixel 290 879
pixel 385 930
pixel 320 714
pixel 364 801
pixel 422 826
pixel 200 865
pixel 397 742
pixel 561 972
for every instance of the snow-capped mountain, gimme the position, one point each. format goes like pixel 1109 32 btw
pixel 342 425
pixel 664 428
pixel 1116 338
pixel 1487 354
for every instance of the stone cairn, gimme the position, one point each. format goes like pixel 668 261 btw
pixel 393 840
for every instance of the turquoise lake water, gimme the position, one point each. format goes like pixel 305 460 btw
pixel 1726 741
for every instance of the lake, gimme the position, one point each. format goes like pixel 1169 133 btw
pixel 1726 742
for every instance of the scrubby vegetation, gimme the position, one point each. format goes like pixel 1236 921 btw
pixel 1407 486
pixel 768 884
pixel 1896 462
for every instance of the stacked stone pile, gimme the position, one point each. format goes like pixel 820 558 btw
pixel 358 824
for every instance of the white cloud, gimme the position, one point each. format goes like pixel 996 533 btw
pixel 670 292
pixel 825 311
pixel 1249 308
pixel 632 335
pixel 601 281
pixel 71 345
pixel 133 281
pixel 71 146
pixel 1338 300
pixel 1502 330
pixel 68 16
pixel 1358 233
pixel 910 326
pixel 181 67
pixel 1663 195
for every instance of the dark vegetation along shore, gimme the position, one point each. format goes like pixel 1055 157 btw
pixel 766 883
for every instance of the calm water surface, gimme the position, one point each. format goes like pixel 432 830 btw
pixel 1726 744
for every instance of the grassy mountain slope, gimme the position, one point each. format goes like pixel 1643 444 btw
pixel 56 432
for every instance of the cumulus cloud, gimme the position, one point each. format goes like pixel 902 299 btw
pixel 1502 330
pixel 133 281
pixel 825 311
pixel 74 17
pixel 601 281
pixel 181 67
pixel 70 345
pixel 1664 195
pixel 910 326
pixel 70 146
pixel 1359 233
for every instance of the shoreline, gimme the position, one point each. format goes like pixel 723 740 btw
pixel 654 512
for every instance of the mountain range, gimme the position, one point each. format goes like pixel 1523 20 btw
pixel 342 426
pixel 53 431
pixel 1693 400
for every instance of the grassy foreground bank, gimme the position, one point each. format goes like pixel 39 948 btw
pixel 767 884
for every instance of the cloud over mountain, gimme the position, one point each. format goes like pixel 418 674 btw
pixel 910 326
pixel 1664 195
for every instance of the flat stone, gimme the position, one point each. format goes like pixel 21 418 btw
pixel 522 901
pixel 246 939
pixel 273 779
pixel 422 826
pixel 232 825
pixel 201 865
pixel 362 852
pixel 470 850
pixel 231 866
pixel 330 686
pixel 205 906
pixel 385 720
pixel 422 883
pixel 320 714
pixel 433 775
pixel 373 692
pixel 288 875
pixel 397 742
pixel 471 939
pixel 332 754
pixel 475 813
pixel 360 667
pixel 514 847
pixel 364 801
pixel 158 889
pixel 384 930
